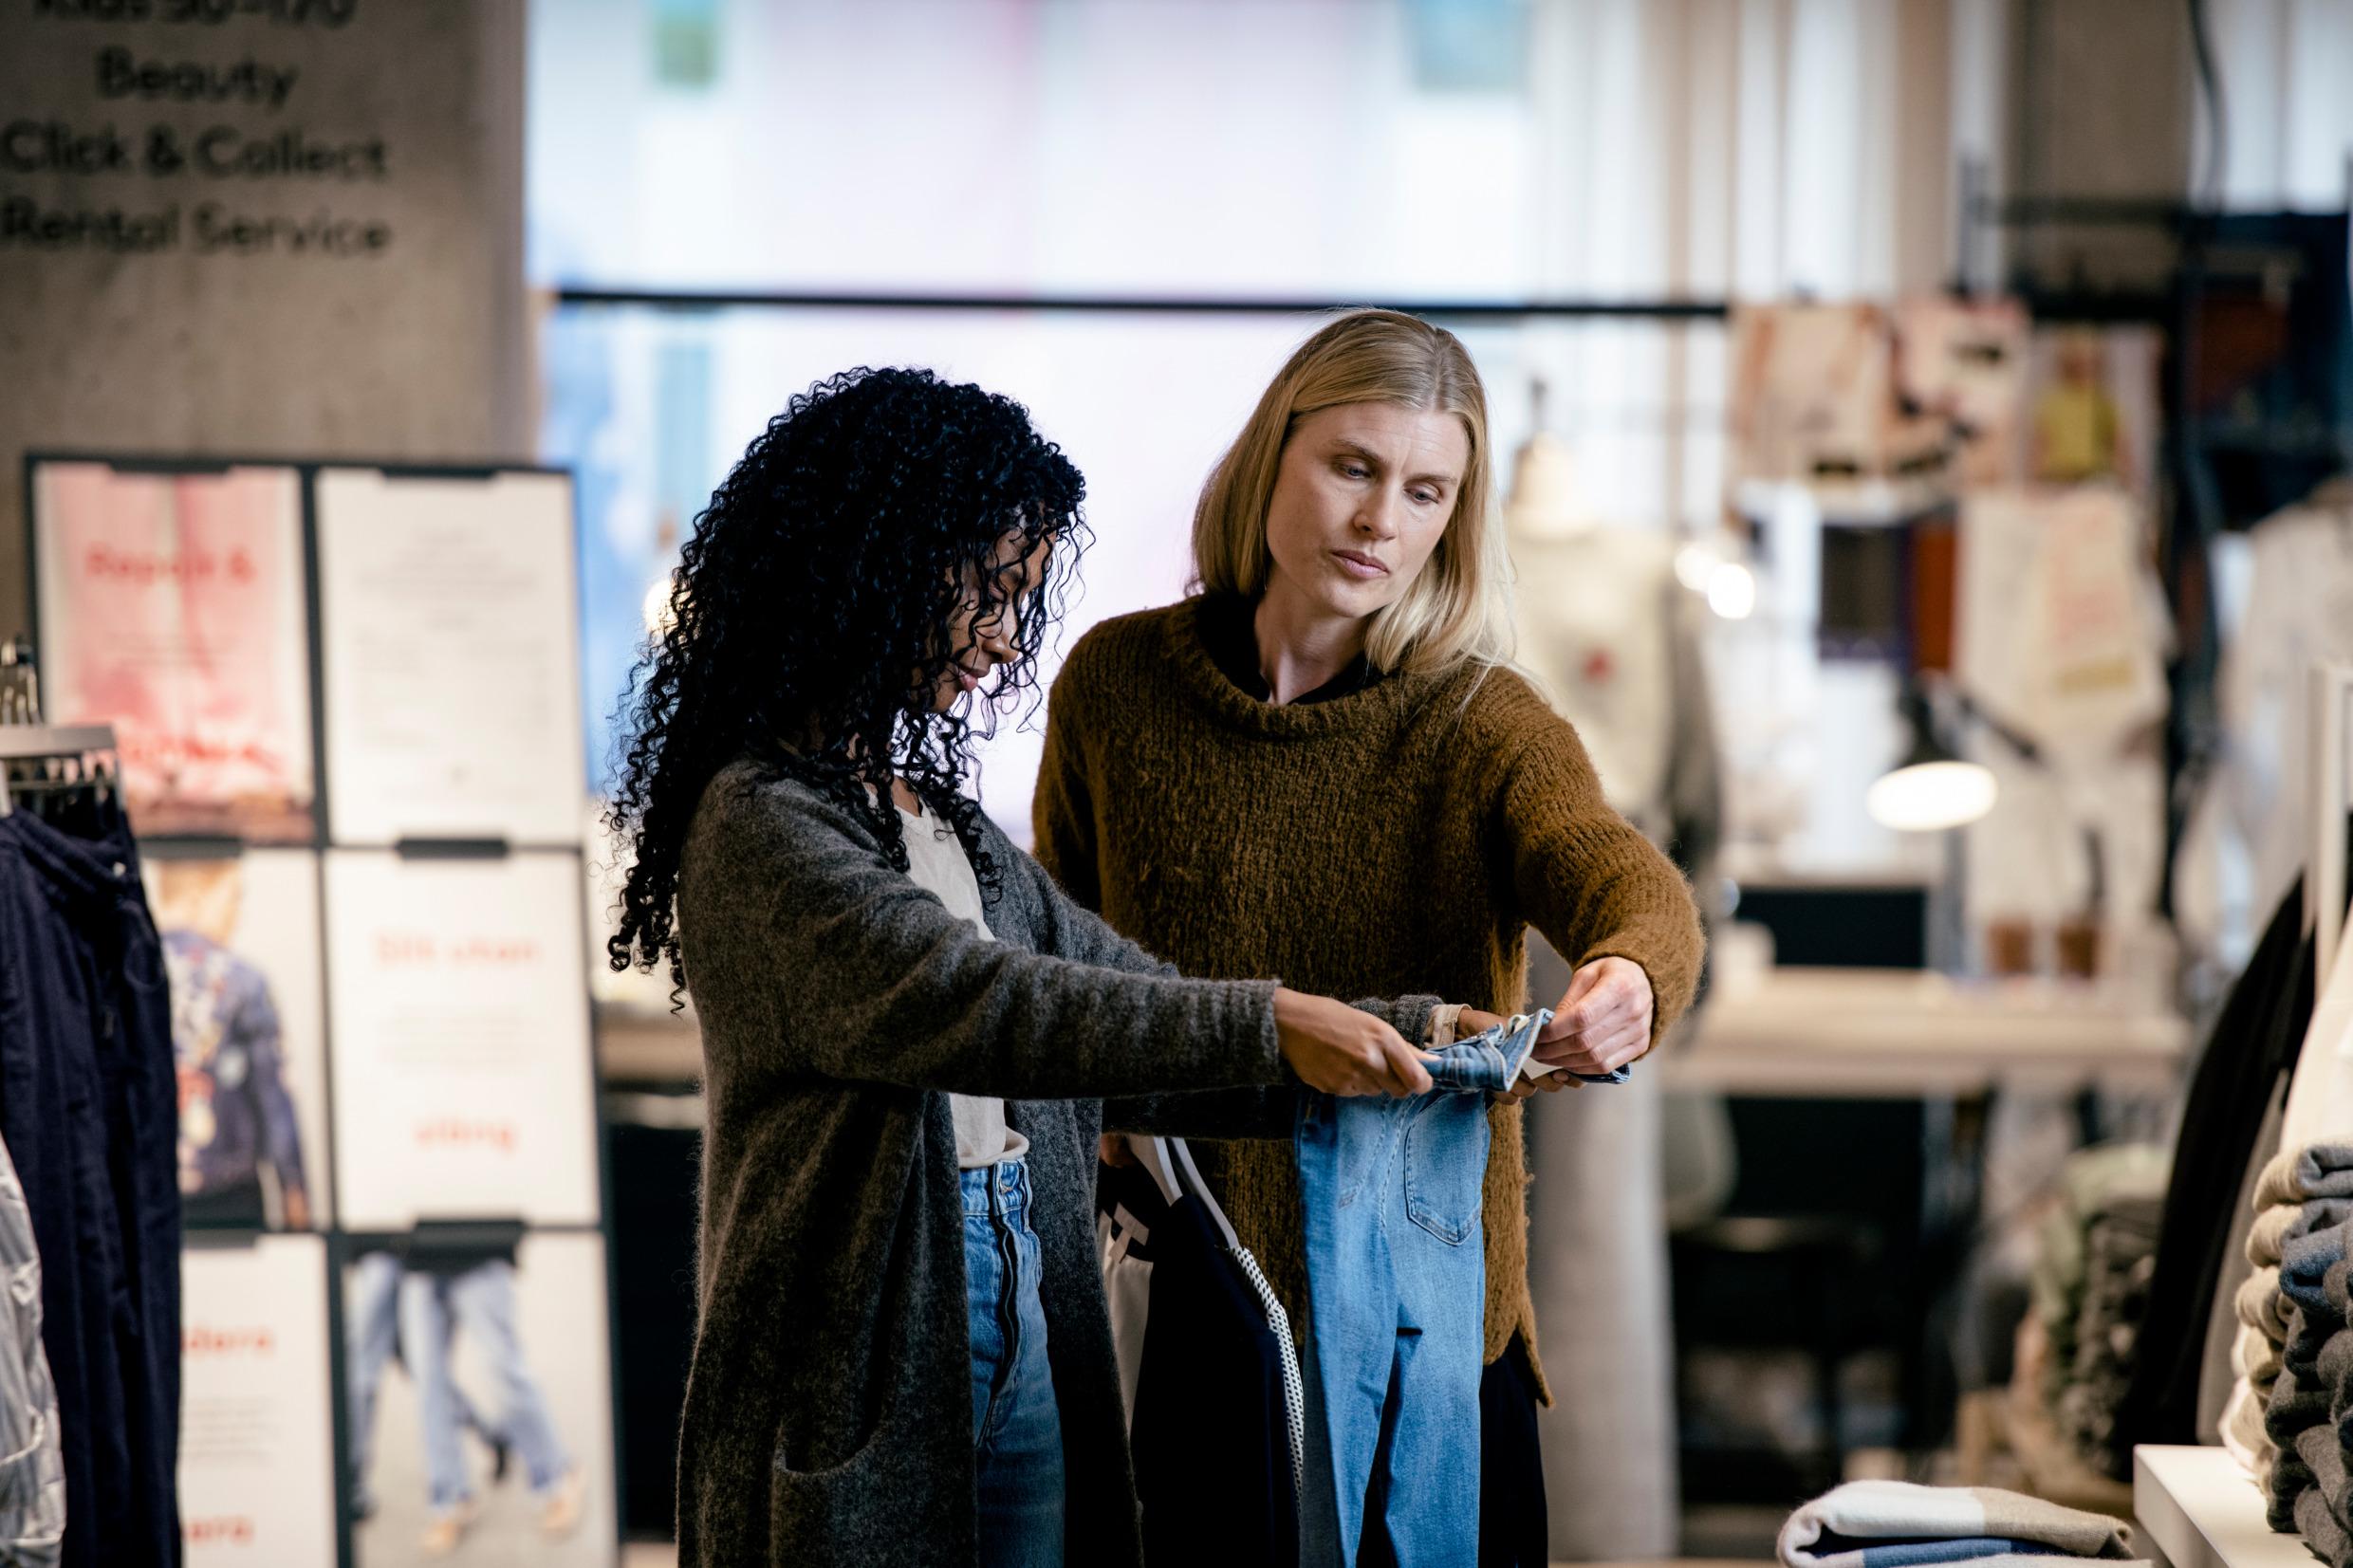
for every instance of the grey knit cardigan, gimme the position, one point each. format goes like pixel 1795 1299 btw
pixel 829 1408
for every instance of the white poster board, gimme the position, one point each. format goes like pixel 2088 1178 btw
pixel 2057 632
pixel 172 606
pixel 463 1071
pixel 451 651
pixel 256 1446
pixel 514 1352
pixel 248 1026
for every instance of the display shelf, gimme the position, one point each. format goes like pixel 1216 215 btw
pixel 1827 1031
pixel 2198 1510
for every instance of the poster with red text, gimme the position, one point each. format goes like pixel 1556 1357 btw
pixel 173 607
pixel 256 1436
pixel 457 998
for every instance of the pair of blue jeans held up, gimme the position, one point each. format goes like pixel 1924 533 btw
pixel 1396 1287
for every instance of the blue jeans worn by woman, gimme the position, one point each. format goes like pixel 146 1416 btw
pixel 1016 1428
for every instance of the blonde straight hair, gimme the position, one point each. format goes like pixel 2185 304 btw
pixel 1458 609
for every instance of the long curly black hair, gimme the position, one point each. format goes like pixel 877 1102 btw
pixel 808 620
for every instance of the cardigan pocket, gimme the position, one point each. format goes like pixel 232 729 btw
pixel 854 1512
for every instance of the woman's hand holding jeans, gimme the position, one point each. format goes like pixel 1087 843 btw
pixel 1473 1021
pixel 1337 1049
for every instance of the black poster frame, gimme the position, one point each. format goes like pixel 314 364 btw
pixel 343 1245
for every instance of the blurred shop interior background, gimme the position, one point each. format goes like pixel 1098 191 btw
pixel 1960 382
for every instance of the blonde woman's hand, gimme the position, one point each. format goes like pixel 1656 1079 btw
pixel 1603 1021
pixel 1339 1050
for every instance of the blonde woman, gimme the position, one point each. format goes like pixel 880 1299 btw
pixel 1322 766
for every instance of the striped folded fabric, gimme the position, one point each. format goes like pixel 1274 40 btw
pixel 1897 1524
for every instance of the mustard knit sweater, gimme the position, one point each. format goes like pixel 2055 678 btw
pixel 1392 843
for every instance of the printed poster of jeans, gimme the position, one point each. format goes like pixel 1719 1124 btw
pixel 479 1399
pixel 172 606
pixel 458 992
pixel 241 951
pixel 256 1453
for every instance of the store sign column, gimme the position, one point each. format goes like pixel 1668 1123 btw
pixel 234 226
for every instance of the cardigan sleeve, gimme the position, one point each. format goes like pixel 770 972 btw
pixel 804 940
pixel 1587 878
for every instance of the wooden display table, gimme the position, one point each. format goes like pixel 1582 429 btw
pixel 1815 1033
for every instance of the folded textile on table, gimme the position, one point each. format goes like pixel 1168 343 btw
pixel 2299 1403
pixel 2256 1356
pixel 2337 1283
pixel 2322 1532
pixel 2261 1307
pixel 2336 1371
pixel 2243 1435
pixel 2320 1512
pixel 2270 1230
pixel 1897 1524
pixel 2306 1257
pixel 2296 1176
pixel 2119 1258
pixel 2118 1178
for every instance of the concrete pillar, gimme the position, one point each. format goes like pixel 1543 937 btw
pixel 292 230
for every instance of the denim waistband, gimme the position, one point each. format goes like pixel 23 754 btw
pixel 1006 1182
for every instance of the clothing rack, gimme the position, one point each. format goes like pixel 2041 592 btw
pixel 580 295
pixel 81 751
pixel 2331 712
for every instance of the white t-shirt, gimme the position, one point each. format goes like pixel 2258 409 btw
pixel 936 861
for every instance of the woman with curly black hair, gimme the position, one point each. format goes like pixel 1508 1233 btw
pixel 907 1030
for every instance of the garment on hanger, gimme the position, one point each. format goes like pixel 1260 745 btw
pixel 90 1117
pixel 1216 1413
pixel 1392 1192
pixel 2298 614
pixel 32 1471
pixel 1616 643
pixel 2060 634
pixel 1813 395
pixel 2255 1041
